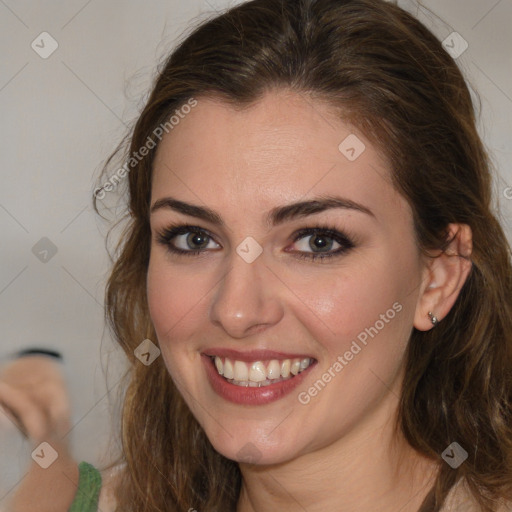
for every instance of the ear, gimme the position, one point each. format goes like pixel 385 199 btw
pixel 444 276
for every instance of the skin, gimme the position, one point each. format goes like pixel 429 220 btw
pixel 342 448
pixel 34 399
pixel 33 395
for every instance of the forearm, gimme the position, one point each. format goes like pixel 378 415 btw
pixel 48 490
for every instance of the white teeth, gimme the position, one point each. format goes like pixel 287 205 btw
pixel 285 368
pixel 257 373
pixel 274 370
pixel 295 368
pixel 219 365
pixel 228 369
pixel 241 372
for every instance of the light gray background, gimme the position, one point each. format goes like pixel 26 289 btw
pixel 62 116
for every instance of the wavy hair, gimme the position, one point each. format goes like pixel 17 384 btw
pixel 389 76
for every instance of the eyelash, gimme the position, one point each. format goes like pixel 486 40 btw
pixel 165 237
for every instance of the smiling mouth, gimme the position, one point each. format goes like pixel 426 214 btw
pixel 258 374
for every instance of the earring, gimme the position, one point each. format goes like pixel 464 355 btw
pixel 433 318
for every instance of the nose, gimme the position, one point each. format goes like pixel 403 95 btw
pixel 247 299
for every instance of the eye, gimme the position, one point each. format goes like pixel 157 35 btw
pixel 188 240
pixel 321 242
pixel 315 243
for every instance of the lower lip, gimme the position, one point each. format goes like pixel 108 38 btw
pixel 248 395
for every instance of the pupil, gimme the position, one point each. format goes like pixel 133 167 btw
pixel 320 243
pixel 197 239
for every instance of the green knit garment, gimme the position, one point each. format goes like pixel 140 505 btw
pixel 88 492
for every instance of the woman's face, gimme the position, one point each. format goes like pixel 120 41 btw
pixel 307 327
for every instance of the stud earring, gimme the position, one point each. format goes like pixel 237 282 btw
pixel 433 318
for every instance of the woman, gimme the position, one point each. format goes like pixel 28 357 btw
pixel 312 289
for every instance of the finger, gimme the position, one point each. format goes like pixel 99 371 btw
pixel 29 415
pixel 13 418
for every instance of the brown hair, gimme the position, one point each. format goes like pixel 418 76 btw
pixel 390 77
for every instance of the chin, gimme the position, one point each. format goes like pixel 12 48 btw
pixel 250 448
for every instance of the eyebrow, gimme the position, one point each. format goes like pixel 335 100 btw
pixel 277 215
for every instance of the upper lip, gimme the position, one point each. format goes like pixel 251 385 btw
pixel 252 355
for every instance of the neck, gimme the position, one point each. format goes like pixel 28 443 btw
pixel 371 468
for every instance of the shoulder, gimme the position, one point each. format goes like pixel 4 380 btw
pixel 110 478
pixel 460 499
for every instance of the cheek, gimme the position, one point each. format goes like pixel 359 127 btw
pixel 369 298
pixel 174 300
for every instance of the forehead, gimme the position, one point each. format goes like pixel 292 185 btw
pixel 285 147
